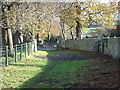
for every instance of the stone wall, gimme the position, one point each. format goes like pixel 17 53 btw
pixel 110 46
pixel 113 47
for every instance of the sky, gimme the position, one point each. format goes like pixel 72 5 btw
pixel 107 1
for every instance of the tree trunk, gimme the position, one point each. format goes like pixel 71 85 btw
pixel 5 25
pixel 49 35
pixel 32 42
pixel 37 37
pixel 42 42
pixel 35 43
pixel 62 24
pixel 62 29
pixel 71 32
pixel 21 38
pixel 1 31
pixel 10 40
pixel 78 30
pixel 49 30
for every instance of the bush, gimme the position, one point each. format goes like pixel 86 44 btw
pixel 53 39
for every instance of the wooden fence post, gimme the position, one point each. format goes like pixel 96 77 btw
pixel 15 53
pixel 21 51
pixel 6 56
pixel 26 49
pixel 30 48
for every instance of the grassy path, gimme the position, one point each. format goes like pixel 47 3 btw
pixel 36 72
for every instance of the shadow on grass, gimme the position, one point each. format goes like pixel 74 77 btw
pixel 36 65
pixel 57 74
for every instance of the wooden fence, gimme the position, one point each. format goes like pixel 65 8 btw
pixel 17 53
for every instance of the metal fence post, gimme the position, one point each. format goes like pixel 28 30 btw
pixel 15 53
pixel 21 51
pixel 6 56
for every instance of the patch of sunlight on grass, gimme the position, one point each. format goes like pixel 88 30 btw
pixel 41 53
pixel 17 73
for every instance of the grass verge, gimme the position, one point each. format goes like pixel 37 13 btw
pixel 43 73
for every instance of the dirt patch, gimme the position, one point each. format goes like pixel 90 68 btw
pixel 67 56
pixel 106 76
pixel 72 56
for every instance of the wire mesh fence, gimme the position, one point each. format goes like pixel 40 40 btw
pixel 15 54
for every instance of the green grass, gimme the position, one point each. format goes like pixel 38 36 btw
pixel 12 58
pixel 2 59
pixel 45 53
pixel 38 73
